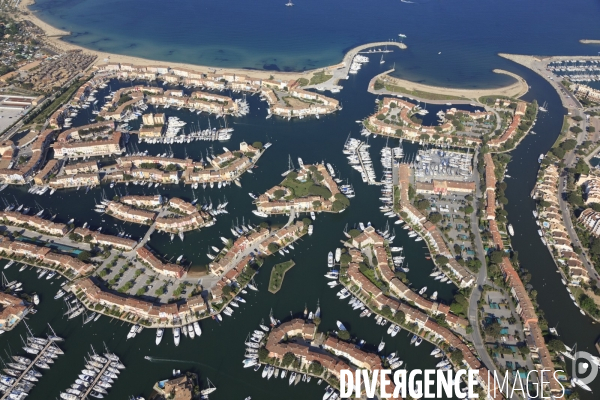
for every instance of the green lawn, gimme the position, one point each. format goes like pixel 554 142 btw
pixel 299 189
pixel 421 94
pixel 63 98
pixel 319 77
pixel 277 275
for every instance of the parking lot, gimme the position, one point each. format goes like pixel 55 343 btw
pixel 454 223
pixel 140 280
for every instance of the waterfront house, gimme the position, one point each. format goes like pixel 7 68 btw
pixel 12 310
pixel 130 214
pixel 106 240
pixel 147 258
pixel 33 222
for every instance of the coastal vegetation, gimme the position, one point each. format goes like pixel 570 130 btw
pixel 320 77
pixel 416 93
pixel 277 275
pixel 45 112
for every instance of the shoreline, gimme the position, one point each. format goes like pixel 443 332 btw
pixel 538 63
pixel 516 89
pixel 54 39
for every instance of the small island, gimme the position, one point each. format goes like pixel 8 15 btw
pixel 311 189
pixel 277 275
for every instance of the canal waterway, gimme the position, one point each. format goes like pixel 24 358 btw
pixel 467 33
pixel 218 353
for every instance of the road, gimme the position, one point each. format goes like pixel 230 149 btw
pixel 476 336
pixel 47 101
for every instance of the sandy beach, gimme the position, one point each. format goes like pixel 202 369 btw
pixel 538 65
pixel 54 35
pixel 517 89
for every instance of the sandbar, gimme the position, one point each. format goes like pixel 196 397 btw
pixel 516 89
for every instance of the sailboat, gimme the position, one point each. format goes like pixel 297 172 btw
pixel 252 285
pixel 290 166
pixel 382 60
pixel 289 3
pixel 209 389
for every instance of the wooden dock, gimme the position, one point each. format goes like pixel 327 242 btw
pixel 29 367
pixel 96 380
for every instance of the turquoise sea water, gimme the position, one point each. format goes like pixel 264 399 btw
pixel 313 33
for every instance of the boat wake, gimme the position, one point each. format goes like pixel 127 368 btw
pixel 406 1
pixel 159 359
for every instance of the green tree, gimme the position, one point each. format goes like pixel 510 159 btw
pixel 344 335
pixel 457 357
pixel 558 152
pixel 288 359
pixel 556 346
pixel 273 247
pixel 354 233
pixel 441 260
pixel 569 144
pixel 493 329
pixel 582 168
pixel 575 198
pixel 279 193
pixel 84 256
pixel 422 204
pixel 496 256
pixel 575 129
pixel 435 217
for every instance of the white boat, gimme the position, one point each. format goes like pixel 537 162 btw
pixel 328 392
pixel 259 214
pixel 312 215
pixel 423 290
pixel 330 259
pixel 159 335
pixel 176 335
pixel 197 329
pixel 341 326
pixel 338 254
pixel 381 346
pixel 132 332
pixel 578 382
pixel 511 230
pixel 36 299
pixel 211 388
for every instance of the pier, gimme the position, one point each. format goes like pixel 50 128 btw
pixel 370 181
pixel 29 367
pixel 96 380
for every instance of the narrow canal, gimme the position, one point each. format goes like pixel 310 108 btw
pixel 218 353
